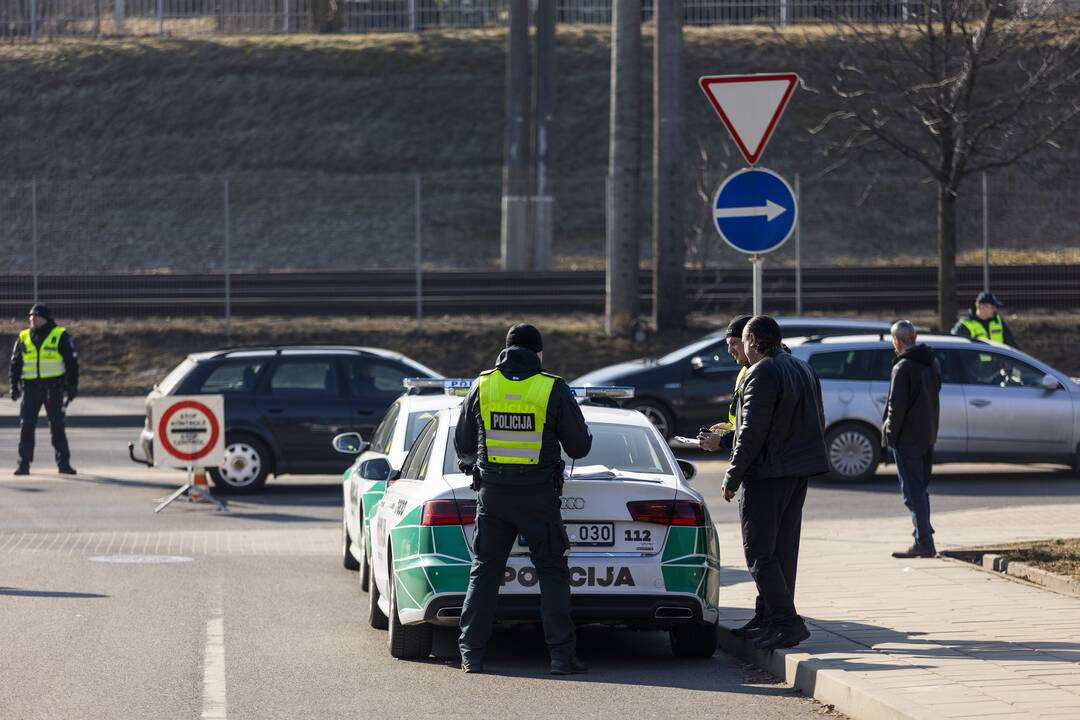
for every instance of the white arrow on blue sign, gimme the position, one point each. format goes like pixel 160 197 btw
pixel 755 211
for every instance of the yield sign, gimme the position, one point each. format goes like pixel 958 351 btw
pixel 750 106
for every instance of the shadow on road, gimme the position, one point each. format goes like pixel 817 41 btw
pixel 16 592
pixel 1018 485
pixel 236 513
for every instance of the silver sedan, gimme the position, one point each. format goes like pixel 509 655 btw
pixel 997 404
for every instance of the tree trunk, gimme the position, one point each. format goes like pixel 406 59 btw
pixel 515 192
pixel 669 251
pixel 624 169
pixel 946 257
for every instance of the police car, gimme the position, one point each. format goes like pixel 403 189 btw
pixel 365 481
pixel 644 552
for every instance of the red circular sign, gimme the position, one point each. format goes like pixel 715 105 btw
pixel 215 430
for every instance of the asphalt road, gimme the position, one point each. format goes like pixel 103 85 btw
pixel 249 614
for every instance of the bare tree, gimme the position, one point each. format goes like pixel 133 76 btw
pixel 957 87
pixel 624 169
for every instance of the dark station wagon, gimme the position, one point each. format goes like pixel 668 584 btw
pixel 284 405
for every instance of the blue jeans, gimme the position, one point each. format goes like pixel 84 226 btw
pixel 913 466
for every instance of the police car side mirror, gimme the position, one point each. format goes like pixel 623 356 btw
pixel 350 443
pixel 689 469
pixel 1050 383
pixel 697 364
pixel 377 469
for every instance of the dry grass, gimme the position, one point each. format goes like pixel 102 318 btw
pixel 1060 556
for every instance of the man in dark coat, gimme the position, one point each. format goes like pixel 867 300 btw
pixel 779 443
pixel 910 426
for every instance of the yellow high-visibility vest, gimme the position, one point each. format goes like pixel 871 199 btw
pixel 514 413
pixel 44 362
pixel 735 394
pixel 978 332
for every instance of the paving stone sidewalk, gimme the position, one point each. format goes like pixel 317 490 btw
pixel 923 638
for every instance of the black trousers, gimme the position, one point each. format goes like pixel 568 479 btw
pixel 49 393
pixel 770 512
pixel 501 513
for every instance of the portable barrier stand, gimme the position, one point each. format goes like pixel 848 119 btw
pixel 188 430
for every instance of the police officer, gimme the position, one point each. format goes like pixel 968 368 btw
pixel 712 441
pixel 512 423
pixel 44 366
pixel 982 322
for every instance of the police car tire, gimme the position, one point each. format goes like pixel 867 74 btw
pixel 255 485
pixel 376 617
pixel 695 640
pixel 406 642
pixel 865 438
pixel 347 557
pixel 364 569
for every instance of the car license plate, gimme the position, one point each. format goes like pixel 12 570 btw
pixel 586 534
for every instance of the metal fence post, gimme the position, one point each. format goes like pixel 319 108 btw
pixel 285 15
pixel 418 229
pixel 986 232
pixel 798 249
pixel 33 21
pixel 34 232
pixel 118 15
pixel 161 17
pixel 228 264
pixel 413 27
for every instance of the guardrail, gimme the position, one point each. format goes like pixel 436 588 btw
pixel 395 293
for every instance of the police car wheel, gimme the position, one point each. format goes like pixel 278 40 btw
pixel 364 569
pixel 658 415
pixel 854 452
pixel 347 558
pixel 246 466
pixel 376 618
pixel 695 640
pixel 406 642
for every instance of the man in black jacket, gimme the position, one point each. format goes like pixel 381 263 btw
pixel 512 424
pixel 910 427
pixel 44 367
pixel 779 443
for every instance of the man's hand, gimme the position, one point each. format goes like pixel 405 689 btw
pixel 710 441
pixel 728 493
pixel 16 393
pixel 71 393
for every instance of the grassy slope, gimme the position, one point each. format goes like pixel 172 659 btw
pixel 433 103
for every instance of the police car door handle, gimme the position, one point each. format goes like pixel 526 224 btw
pixel 980 403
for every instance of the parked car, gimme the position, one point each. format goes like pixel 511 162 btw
pixel 692 386
pixel 997 403
pixel 284 405
pixel 644 550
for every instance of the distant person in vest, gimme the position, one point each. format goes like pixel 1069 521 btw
pixel 983 322
pixel 44 367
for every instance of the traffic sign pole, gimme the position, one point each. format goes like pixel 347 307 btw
pixel 757 262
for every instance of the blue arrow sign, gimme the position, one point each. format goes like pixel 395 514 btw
pixel 755 211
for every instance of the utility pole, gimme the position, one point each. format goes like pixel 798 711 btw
pixel 543 208
pixel 669 273
pixel 624 169
pixel 516 182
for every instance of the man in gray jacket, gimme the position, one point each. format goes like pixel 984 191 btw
pixel 910 427
pixel 779 443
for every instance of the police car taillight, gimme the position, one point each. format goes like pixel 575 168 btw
pixel 667 512
pixel 450 386
pixel 449 512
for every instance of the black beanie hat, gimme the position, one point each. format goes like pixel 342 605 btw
pixel 526 336
pixel 735 327
pixel 42 310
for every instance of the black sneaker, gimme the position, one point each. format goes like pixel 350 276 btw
pixel 785 638
pixel 472 667
pixel 573 666
pixel 66 470
pixel 23 469
pixel 755 623
pixel 915 552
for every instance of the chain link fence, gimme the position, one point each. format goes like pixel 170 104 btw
pixel 261 244
pixel 34 20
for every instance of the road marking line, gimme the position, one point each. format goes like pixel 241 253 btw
pixel 214 670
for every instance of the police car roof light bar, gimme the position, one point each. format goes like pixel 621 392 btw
pixel 613 392
pixel 450 386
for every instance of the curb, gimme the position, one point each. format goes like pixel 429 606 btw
pixel 823 681
pixel 84 421
pixel 995 563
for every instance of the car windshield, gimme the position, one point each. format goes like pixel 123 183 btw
pixel 690 350
pixel 415 424
pixel 632 448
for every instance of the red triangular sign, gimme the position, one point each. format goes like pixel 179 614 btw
pixel 750 106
